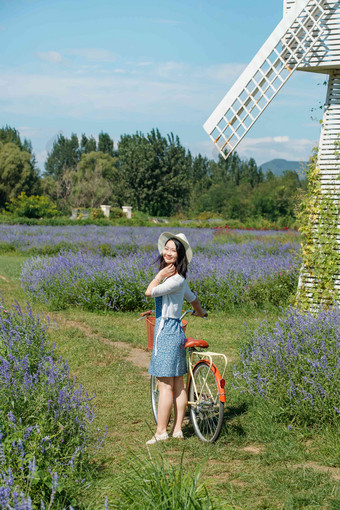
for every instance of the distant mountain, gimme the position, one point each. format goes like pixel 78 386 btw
pixel 278 166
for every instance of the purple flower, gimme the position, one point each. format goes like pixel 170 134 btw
pixel 294 364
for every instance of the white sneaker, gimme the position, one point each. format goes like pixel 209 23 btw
pixel 162 437
pixel 178 435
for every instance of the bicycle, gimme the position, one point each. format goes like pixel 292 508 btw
pixel 204 386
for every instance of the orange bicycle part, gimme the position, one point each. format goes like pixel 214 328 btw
pixel 220 381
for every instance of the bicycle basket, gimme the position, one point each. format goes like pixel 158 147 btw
pixel 150 330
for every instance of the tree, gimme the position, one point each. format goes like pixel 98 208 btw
pixel 11 135
pixel 201 180
pixel 177 165
pixel 87 144
pixel 94 181
pixel 227 171
pixel 105 144
pixel 155 171
pixel 250 173
pixel 134 155
pixel 17 174
pixel 277 196
pixel 65 155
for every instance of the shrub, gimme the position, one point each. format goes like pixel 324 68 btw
pixel 96 214
pixel 35 206
pixel 116 212
pixel 276 289
pixel 294 365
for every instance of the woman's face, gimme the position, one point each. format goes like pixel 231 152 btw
pixel 170 254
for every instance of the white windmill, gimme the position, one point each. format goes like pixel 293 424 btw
pixel 306 39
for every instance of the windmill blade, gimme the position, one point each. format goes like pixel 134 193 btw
pixel 286 49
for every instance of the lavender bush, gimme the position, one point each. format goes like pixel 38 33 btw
pixel 294 365
pixel 88 280
pixel 222 276
pixel 45 419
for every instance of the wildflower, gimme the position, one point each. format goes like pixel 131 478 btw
pixel 11 417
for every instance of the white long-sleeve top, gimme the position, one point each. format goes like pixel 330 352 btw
pixel 173 291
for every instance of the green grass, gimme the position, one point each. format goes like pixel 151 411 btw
pixel 258 463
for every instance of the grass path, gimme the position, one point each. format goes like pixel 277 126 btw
pixel 256 464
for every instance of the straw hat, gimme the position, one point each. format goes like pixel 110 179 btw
pixel 164 238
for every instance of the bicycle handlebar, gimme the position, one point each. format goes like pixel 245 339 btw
pixel 143 315
pixel 192 313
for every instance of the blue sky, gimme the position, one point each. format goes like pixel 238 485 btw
pixel 125 66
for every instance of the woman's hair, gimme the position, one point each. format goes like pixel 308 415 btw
pixel 181 263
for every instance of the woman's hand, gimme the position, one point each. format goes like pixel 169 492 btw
pixel 167 271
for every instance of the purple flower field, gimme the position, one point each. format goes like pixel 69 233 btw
pixel 110 266
pixel 44 239
pixel 45 418
pixel 221 274
pixel 295 365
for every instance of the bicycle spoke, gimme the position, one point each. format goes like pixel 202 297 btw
pixel 206 413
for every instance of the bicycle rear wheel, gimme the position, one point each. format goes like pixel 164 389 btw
pixel 154 397
pixel 207 411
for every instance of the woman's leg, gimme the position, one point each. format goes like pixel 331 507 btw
pixel 165 401
pixel 180 402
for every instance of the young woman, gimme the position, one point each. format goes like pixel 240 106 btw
pixel 168 361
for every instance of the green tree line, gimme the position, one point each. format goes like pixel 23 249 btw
pixel 152 173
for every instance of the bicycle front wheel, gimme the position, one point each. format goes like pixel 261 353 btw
pixel 154 397
pixel 206 410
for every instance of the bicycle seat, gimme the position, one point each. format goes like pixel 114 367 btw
pixel 193 342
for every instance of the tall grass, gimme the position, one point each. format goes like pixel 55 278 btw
pixel 152 483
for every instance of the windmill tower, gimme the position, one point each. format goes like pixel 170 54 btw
pixel 306 39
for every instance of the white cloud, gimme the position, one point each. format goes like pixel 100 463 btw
pixel 28 132
pixel 261 149
pixel 93 54
pixel 281 139
pixel 277 147
pixel 225 73
pixel 50 56
pixel 203 147
pixel 177 95
pixel 157 89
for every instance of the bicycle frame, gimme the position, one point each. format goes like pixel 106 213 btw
pixel 206 357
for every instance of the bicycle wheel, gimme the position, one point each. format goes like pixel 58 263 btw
pixel 154 396
pixel 207 411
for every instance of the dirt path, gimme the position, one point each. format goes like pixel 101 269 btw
pixel 139 357
pixel 333 472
